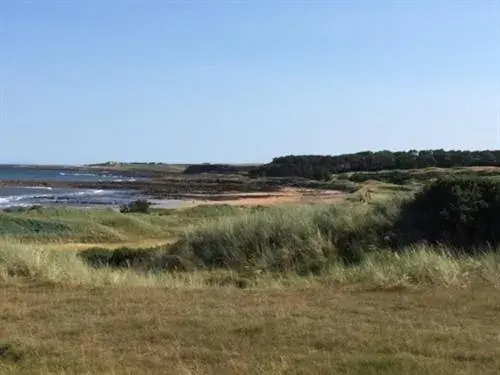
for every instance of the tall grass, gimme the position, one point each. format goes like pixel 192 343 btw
pixel 29 262
pixel 337 244
pixel 307 238
pixel 420 266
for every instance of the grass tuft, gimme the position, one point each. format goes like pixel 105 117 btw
pixel 11 352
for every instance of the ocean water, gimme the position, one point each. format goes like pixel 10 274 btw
pixel 27 196
pixel 27 174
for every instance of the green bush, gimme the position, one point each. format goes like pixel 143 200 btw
pixel 96 256
pixel 144 259
pixel 139 206
pixel 461 212
pixel 125 257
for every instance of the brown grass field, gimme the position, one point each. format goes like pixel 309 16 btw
pixel 312 330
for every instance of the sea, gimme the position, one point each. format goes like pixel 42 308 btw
pixel 25 196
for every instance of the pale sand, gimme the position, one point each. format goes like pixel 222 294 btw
pixel 285 196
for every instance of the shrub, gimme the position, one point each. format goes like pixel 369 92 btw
pixel 96 256
pixel 11 352
pixel 144 259
pixel 459 211
pixel 130 257
pixel 139 206
pixel 228 280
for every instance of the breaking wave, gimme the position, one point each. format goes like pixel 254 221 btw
pixel 22 197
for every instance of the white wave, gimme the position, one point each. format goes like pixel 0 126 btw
pixel 11 198
pixel 15 198
pixel 38 187
pixel 78 174
pixel 132 179
pixel 85 174
pixel 18 200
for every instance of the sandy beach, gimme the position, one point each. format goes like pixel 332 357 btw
pixel 284 196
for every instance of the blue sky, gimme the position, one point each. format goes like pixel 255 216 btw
pixel 233 81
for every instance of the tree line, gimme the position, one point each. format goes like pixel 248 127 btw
pixel 321 167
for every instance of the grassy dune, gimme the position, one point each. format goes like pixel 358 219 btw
pixel 308 289
pixel 67 225
pixel 52 225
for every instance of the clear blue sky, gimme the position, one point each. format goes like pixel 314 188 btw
pixel 232 81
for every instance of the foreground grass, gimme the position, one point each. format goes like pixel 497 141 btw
pixel 422 311
pixel 313 330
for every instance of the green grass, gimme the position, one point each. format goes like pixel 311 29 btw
pixel 80 225
pixel 101 225
pixel 422 175
pixel 302 238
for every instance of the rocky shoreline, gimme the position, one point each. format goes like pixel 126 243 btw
pixel 209 188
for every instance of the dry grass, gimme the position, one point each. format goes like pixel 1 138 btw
pixel 314 330
pixel 423 312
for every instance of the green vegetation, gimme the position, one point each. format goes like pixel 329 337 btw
pixel 52 225
pixel 138 206
pixel 297 238
pixel 425 175
pixel 322 167
pixel 460 212
pixel 218 168
pixel 313 239
pixel 264 290
pixel 166 169
pixel 306 239
pixel 48 225
pixel 139 167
